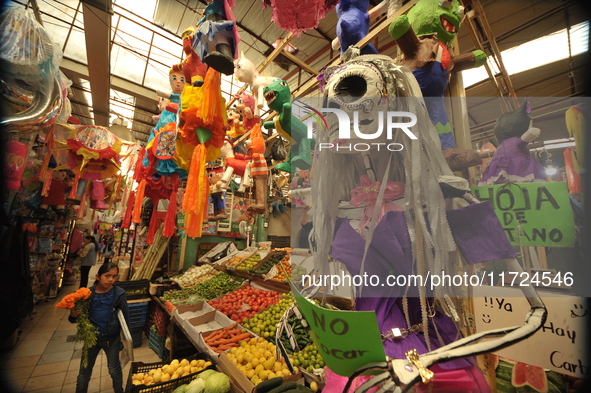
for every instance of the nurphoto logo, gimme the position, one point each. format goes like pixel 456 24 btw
pixel 392 120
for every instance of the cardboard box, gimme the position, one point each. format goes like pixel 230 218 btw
pixel 217 249
pixel 188 312
pixel 240 380
pixel 211 352
pixel 213 320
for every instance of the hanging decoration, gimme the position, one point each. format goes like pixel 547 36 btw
pixel 299 15
pixel 424 36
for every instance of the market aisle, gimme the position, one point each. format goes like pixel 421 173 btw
pixel 46 359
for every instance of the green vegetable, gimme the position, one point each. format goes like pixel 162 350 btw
pixel 196 386
pixel 219 285
pixel 285 387
pixel 206 374
pixel 272 383
pixel 181 389
pixel 217 383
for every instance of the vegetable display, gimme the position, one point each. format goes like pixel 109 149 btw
pixel 226 338
pixel 300 335
pixel 249 263
pixel 309 358
pixel 196 275
pixel 244 302
pixel 265 323
pixel 272 260
pixel 217 286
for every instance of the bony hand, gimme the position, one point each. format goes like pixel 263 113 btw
pixel 74 313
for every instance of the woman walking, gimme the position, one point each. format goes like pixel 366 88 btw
pixel 106 300
pixel 88 255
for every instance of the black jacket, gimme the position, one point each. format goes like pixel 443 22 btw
pixel 119 302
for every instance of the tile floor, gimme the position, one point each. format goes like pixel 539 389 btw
pixel 43 361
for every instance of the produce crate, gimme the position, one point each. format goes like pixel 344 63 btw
pixel 280 241
pixel 137 314
pixel 137 289
pixel 162 289
pixel 156 342
pixel 272 255
pixel 162 387
pixel 161 320
pixel 136 335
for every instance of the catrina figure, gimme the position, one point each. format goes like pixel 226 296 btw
pixel 354 226
pixel 512 161
pixel 216 38
pixel 424 36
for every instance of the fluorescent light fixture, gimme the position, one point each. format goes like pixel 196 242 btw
pixel 556 144
pixel 535 53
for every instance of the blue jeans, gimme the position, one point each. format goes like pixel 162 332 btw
pixel 111 348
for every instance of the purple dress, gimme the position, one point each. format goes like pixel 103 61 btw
pixel 512 163
pixel 390 253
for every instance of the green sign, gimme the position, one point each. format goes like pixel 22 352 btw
pixel 532 214
pixel 347 340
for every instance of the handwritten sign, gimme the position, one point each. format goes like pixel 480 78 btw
pixel 532 214
pixel 347 340
pixel 559 345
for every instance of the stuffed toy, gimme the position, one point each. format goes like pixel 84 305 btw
pixel 512 161
pixel 278 96
pixel 424 36
pixel 216 38
pixel 56 197
pixel 353 25
pixel 246 72
pixel 296 16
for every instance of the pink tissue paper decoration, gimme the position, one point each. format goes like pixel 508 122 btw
pixel 296 16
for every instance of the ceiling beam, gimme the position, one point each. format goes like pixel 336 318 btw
pixel 75 69
pixel 97 34
pixel 312 83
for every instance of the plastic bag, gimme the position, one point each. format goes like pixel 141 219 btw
pixel 26 49
pixel 278 152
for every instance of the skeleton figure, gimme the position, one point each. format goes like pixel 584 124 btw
pixel 367 238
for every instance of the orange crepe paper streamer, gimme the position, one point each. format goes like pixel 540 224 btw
pixel 197 193
pixel 139 198
pixel 128 211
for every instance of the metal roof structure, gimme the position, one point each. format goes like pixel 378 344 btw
pixel 117 53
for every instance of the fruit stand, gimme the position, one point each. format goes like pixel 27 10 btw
pixel 229 310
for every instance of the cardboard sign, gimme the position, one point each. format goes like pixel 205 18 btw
pixel 532 214
pixel 347 340
pixel 559 345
